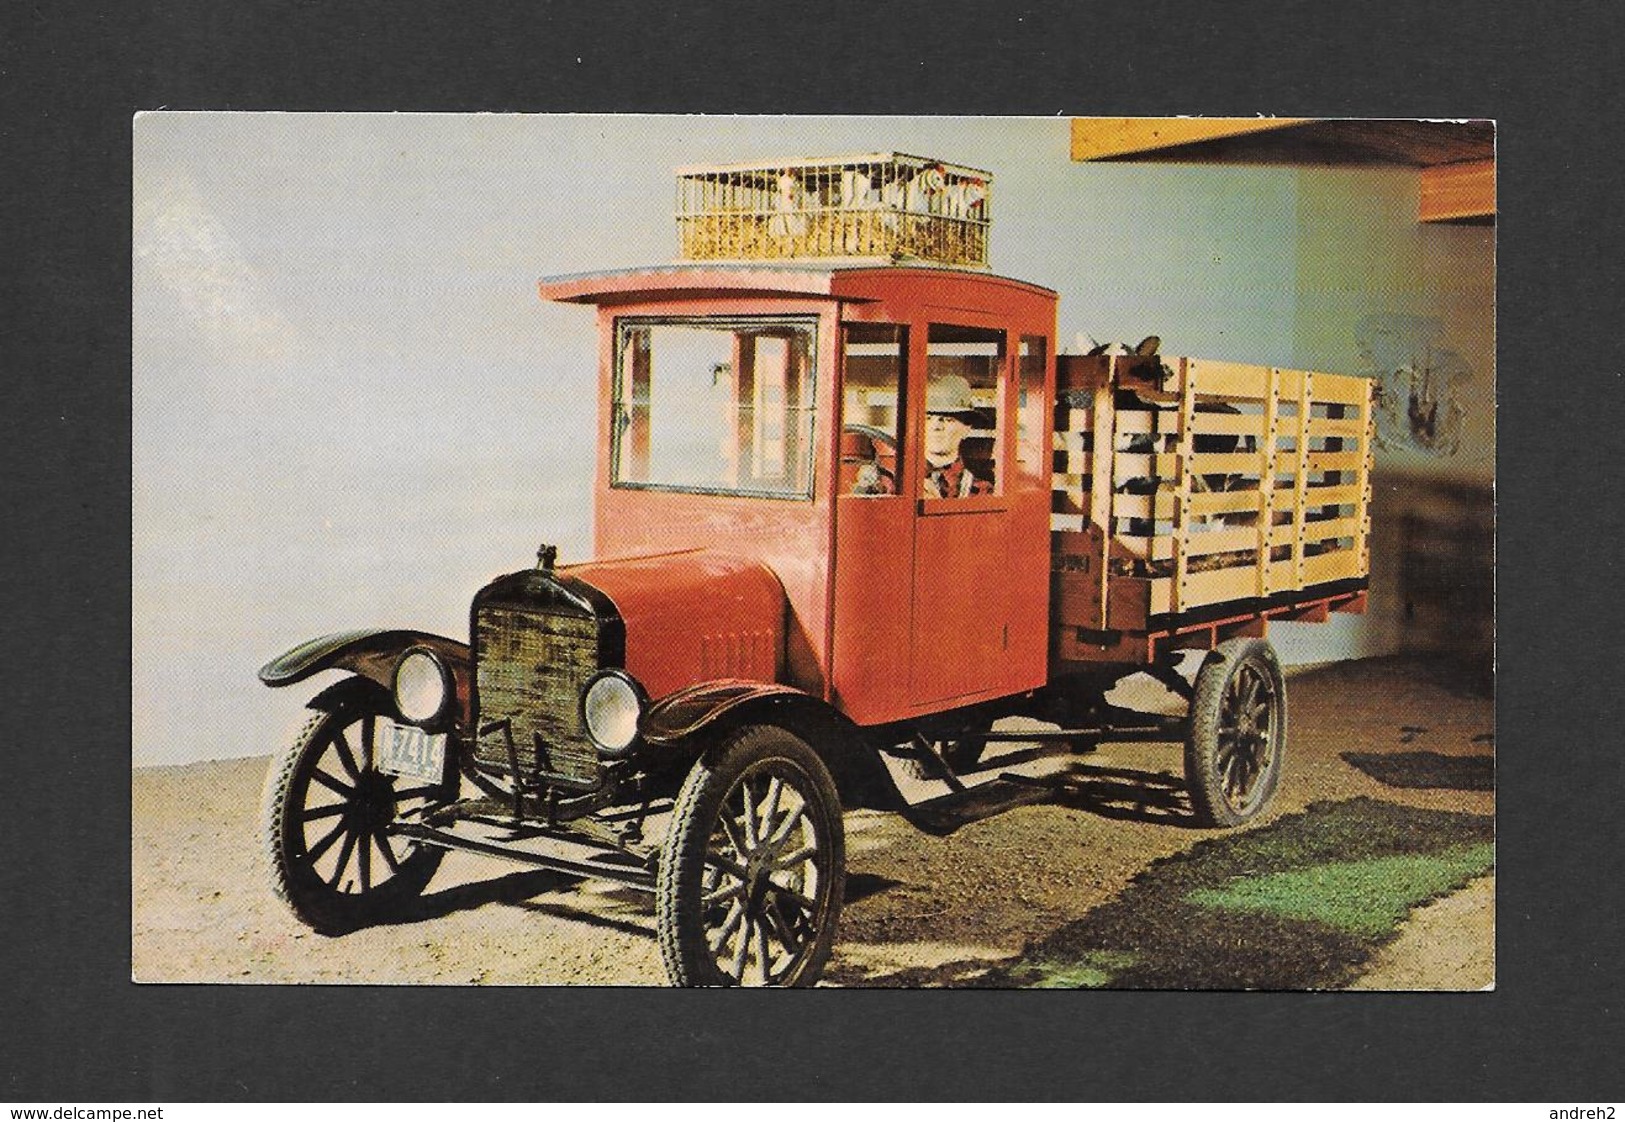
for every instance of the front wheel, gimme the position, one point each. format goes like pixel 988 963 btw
pixel 1237 742
pixel 326 817
pixel 752 873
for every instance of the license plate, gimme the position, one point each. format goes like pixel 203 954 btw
pixel 411 753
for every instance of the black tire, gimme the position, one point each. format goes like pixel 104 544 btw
pixel 325 810
pixel 754 866
pixel 1237 743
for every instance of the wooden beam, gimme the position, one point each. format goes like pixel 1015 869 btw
pixel 1099 138
pixel 1463 190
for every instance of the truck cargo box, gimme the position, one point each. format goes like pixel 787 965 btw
pixel 1226 493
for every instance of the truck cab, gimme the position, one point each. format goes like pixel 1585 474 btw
pixel 776 419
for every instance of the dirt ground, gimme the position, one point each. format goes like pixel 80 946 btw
pixel 1007 864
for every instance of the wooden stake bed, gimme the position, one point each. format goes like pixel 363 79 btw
pixel 1195 499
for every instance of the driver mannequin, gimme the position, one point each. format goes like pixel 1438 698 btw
pixel 950 416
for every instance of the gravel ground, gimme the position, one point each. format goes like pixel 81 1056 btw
pixel 1005 865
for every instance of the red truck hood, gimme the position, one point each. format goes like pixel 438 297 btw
pixel 693 616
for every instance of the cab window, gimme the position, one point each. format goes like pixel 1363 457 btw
pixel 873 356
pixel 964 402
pixel 714 406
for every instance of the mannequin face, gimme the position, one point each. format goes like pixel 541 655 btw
pixel 942 436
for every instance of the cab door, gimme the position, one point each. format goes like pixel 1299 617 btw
pixel 962 581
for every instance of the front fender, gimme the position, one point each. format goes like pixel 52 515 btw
pixel 716 706
pixel 371 654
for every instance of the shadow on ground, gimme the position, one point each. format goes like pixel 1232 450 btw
pixel 1426 770
pixel 1122 793
pixel 1300 904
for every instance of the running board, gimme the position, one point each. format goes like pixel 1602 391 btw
pixel 560 854
pixel 1173 730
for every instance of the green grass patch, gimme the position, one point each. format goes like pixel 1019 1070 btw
pixel 1301 903
pixel 1370 897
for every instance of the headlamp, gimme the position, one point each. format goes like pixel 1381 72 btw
pixel 611 706
pixel 423 685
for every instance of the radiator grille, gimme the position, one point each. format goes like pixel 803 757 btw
pixel 532 667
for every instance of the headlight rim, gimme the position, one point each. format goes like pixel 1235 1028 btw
pixel 640 697
pixel 448 686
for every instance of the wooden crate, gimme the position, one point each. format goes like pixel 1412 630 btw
pixel 1184 485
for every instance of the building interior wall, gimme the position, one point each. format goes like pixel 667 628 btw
pixel 1322 268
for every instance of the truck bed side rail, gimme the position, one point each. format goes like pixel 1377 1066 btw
pixel 1182 484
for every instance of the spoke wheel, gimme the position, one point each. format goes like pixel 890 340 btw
pixel 1237 743
pixel 753 869
pixel 326 816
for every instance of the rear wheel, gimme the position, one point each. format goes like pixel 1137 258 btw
pixel 326 817
pixel 1237 741
pixel 752 873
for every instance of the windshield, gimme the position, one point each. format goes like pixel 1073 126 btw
pixel 715 406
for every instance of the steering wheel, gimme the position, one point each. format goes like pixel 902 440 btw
pixel 870 470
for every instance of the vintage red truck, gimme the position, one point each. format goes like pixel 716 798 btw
pixel 851 509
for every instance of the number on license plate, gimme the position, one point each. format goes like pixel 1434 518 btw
pixel 410 752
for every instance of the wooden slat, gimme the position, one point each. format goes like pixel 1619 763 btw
pixel 1222 502
pixel 1226 463
pixel 1222 541
pixel 1103 420
pixel 1300 486
pixel 1066 441
pixel 1266 473
pixel 1362 509
pixel 1340 389
pixel 1283 575
pixel 1229 424
pixel 1187 444
pixel 1336 426
pixel 1150 548
pixel 1459 190
pixel 1096 138
pixel 1160 595
pixel 1331 566
pixel 1336 461
pixel 1070 481
pixel 1216 586
pixel 1332 528
pixel 1228 379
pixel 1342 494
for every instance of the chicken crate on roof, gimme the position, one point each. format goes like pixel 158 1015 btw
pixel 882 208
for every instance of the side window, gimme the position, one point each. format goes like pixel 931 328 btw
pixel 1031 452
pixel 964 402
pixel 873 356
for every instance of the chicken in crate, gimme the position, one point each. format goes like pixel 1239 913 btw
pixel 850 512
pixel 880 208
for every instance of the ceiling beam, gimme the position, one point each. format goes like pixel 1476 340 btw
pixel 1100 138
pixel 1455 191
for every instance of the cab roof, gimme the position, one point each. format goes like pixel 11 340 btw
pixel 860 282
